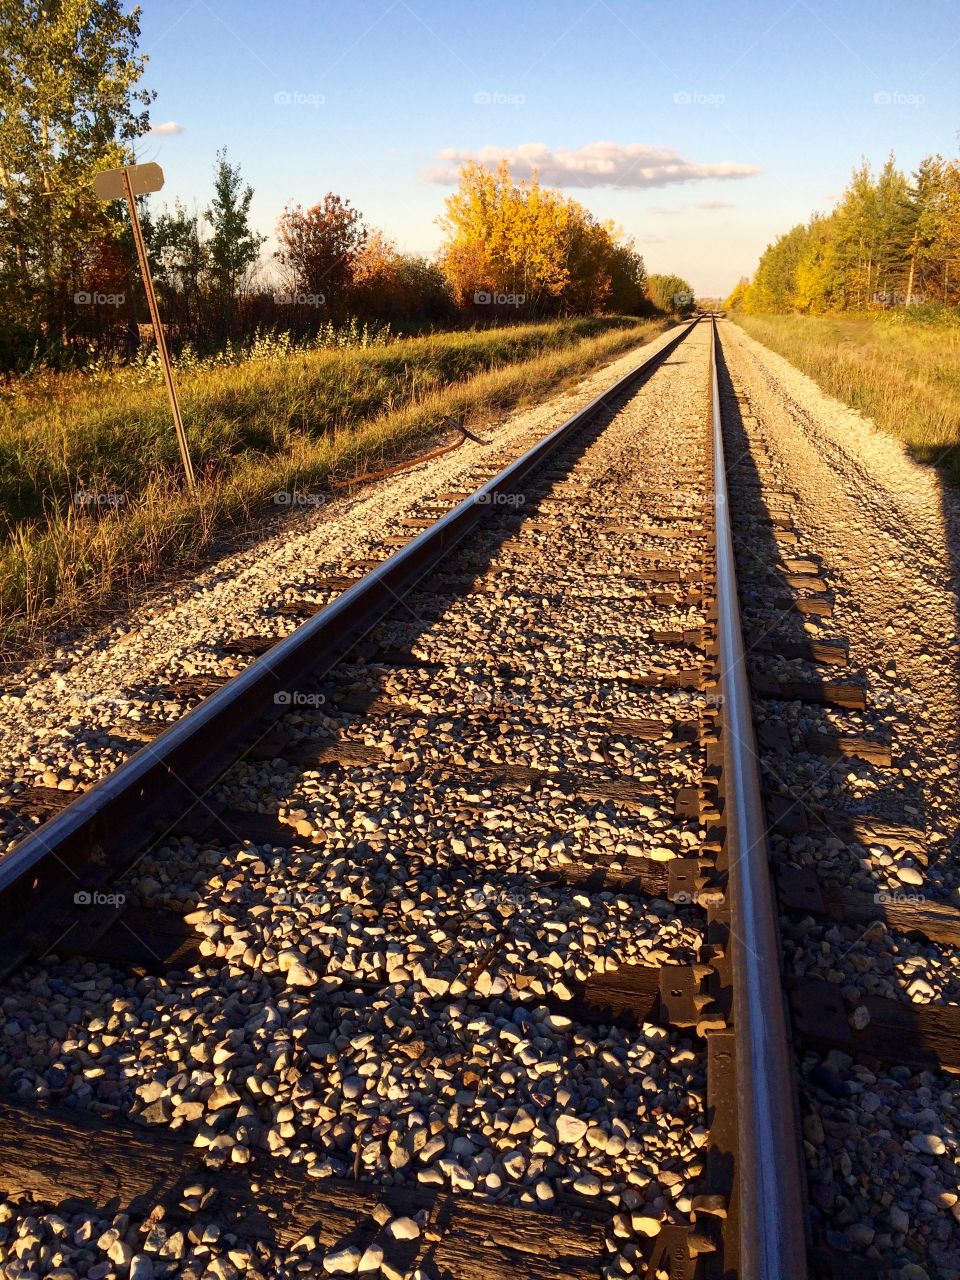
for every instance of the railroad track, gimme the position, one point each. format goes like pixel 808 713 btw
pixel 440 940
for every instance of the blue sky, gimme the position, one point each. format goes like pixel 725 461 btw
pixel 763 109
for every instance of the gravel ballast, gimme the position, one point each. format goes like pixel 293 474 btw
pixel 382 988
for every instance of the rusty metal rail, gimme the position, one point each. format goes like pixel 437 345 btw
pixel 770 1178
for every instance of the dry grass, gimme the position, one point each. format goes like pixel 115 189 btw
pixel 903 374
pixel 256 428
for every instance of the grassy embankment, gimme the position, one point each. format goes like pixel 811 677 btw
pixel 902 372
pixel 90 489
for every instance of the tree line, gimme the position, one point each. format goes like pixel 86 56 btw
pixel 892 240
pixel 71 104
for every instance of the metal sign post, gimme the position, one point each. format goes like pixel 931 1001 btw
pixel 130 181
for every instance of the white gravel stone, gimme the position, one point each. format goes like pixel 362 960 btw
pixel 570 1128
pixel 860 1017
pixel 931 1143
pixel 404 1229
pixel 372 1259
pixel 342 1261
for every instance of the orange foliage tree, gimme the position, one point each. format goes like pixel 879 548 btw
pixel 318 246
pixel 395 286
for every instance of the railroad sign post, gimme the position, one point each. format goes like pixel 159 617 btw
pixel 127 183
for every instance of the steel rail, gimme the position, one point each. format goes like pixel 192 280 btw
pixel 100 831
pixel 770 1181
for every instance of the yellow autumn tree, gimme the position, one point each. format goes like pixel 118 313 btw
pixel 513 240
pixel 503 237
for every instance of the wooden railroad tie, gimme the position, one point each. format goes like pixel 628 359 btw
pixel 925 1036
pixel 801 891
pixel 54 1154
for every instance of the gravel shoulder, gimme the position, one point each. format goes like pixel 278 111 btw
pixel 888 533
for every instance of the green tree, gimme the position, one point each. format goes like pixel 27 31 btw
pixel 181 261
pixel 736 301
pixel 873 233
pixel 234 246
pixel 68 108
pixel 670 294
pixel 934 256
pixel 818 281
pixel 775 282
pixel 888 242
pixel 947 246
pixel 628 276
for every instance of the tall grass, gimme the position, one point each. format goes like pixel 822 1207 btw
pixel 61 433
pixel 903 373
pixel 90 474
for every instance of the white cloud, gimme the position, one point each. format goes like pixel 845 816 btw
pixel 166 130
pixel 714 204
pixel 598 164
